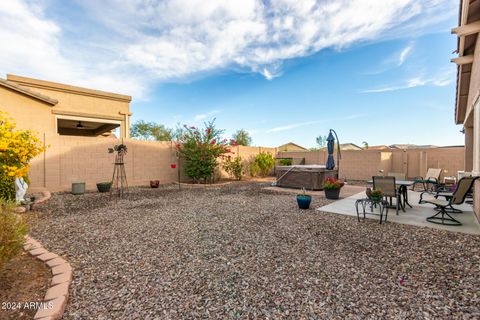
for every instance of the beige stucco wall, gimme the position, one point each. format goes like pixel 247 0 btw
pixel 86 159
pixel 363 164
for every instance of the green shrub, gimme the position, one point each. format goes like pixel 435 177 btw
pixel 12 234
pixel 7 188
pixel 253 168
pixel 286 161
pixel 262 164
pixel 234 167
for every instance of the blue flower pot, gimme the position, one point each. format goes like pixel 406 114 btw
pixel 304 201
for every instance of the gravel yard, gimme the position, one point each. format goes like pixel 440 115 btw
pixel 238 251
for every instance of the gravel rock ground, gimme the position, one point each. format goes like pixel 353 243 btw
pixel 238 251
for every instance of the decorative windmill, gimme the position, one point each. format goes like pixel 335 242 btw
pixel 119 178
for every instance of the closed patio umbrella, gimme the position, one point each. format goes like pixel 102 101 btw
pixel 330 147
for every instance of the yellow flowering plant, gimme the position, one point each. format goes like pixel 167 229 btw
pixel 17 148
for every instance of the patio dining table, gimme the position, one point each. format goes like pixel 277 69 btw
pixel 403 188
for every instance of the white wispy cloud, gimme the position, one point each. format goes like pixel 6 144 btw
pixel 203 116
pixel 308 123
pixel 293 126
pixel 140 42
pixel 404 54
pixel 440 80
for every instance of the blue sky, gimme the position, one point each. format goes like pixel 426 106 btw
pixel 284 70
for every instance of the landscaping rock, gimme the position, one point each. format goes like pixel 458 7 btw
pixel 239 251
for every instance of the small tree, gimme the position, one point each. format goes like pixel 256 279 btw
pixel 201 150
pixel 150 131
pixel 321 141
pixel 17 148
pixel 242 137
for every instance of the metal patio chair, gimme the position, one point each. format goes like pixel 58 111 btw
pixel 432 178
pixel 456 198
pixel 397 175
pixel 389 189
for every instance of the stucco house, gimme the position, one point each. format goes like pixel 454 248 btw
pixel 67 119
pixel 53 109
pixel 467 106
pixel 291 147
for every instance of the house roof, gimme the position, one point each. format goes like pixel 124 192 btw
pixel 349 145
pixel 468 26
pixel 412 146
pixel 49 85
pixel 346 147
pixel 381 147
pixel 291 144
pixel 28 92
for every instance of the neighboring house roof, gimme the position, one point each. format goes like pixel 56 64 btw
pixel 349 146
pixel 286 145
pixel 28 92
pixel 381 147
pixel 346 146
pixel 412 146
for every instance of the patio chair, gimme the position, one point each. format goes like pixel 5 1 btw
pixel 397 175
pixel 432 178
pixel 403 189
pixel 389 188
pixel 456 198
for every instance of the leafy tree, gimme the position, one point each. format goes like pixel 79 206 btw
pixel 151 131
pixel 321 141
pixel 242 137
pixel 365 144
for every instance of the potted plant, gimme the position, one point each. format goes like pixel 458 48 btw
pixel 104 186
pixel 304 200
pixel 376 195
pixel 332 187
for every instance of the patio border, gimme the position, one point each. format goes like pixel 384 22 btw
pixel 56 297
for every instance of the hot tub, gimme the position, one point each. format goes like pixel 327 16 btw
pixel 310 176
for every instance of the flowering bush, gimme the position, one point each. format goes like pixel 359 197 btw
pixel 17 148
pixel 331 183
pixel 234 167
pixel 201 148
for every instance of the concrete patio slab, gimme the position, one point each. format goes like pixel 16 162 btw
pixel 413 216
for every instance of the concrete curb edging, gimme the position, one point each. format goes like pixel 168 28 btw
pixel 56 296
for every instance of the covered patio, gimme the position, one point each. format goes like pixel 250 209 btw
pixel 415 216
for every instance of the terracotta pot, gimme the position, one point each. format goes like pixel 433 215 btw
pixel 154 183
